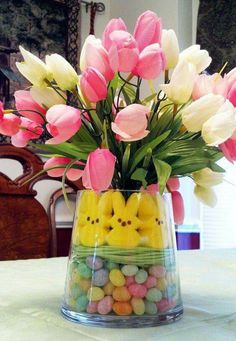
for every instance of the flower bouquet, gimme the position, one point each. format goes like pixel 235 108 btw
pixel 130 151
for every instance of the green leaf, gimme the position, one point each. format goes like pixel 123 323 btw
pixel 181 148
pixel 189 165
pixel 163 171
pixel 148 99
pixel 125 160
pixel 147 158
pixel 216 168
pixel 140 175
pixel 65 149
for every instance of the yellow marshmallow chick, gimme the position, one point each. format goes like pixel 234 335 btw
pixel 153 226
pixel 94 212
pixel 124 222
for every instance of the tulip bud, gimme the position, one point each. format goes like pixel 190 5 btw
pixel 33 69
pixel 170 47
pixel 205 195
pixel 47 97
pixel 206 84
pixel 181 83
pixel 151 62
pixel 72 174
pixel 220 126
pixel 113 25
pixel 199 58
pixel 63 73
pixel 178 207
pixel 232 95
pixel 147 30
pixel 199 111
pixel 207 178
pixel 28 130
pixel 1 111
pixel 229 149
pixel 9 124
pixel 93 54
pixel 99 170
pixel 93 85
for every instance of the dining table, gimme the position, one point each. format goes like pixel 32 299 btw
pixel 31 293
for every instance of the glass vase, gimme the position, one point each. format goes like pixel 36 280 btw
pixel 122 268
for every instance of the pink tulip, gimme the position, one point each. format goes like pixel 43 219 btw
pixel 207 84
pixel 9 124
pixel 28 130
pixel 229 148
pixel 131 122
pixel 64 122
pixel 147 30
pixel 151 62
pixel 99 170
pixel 178 207
pixel 1 110
pixel 232 95
pixel 72 174
pixel 173 184
pixel 95 55
pixel 123 53
pixel 113 25
pixel 93 85
pixel 24 101
pixel 231 77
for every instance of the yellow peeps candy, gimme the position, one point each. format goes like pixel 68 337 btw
pixel 124 222
pixel 153 226
pixel 93 215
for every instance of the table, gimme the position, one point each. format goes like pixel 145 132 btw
pixel 31 290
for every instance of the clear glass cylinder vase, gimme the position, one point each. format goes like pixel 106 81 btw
pixel 122 268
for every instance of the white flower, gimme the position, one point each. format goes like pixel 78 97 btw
pixel 199 111
pixel 170 46
pixel 205 195
pixel 63 73
pixel 47 97
pixel 196 56
pixel 207 178
pixel 33 69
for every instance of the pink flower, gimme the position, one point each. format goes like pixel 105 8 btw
pixel 99 170
pixel 131 122
pixel 151 62
pixel 24 101
pixel 113 25
pixel 1 110
pixel 147 30
pixel 178 207
pixel 213 84
pixel 123 53
pixel 229 148
pixel 95 55
pixel 93 85
pixel 72 174
pixel 28 130
pixel 173 184
pixel 9 124
pixel 231 77
pixel 232 95
pixel 63 122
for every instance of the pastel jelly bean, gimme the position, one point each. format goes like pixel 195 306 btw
pixel 137 290
pixel 100 277
pixel 95 294
pixel 170 290
pixel 121 294
pixel 84 270
pixel 81 303
pixel 94 263
pixel 117 278
pixel 129 280
pixel 75 276
pixel 161 284
pixel 108 288
pixel 150 307
pixel 84 284
pixel 105 305
pixel 129 270
pixel 122 308
pixel 157 271
pixel 154 295
pixel 111 265
pixel 138 305
pixel 141 276
pixel 150 282
pixel 163 305
pixel 92 307
pixel 76 291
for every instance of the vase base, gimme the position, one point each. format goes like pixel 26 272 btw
pixel 113 321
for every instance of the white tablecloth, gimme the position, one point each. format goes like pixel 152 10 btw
pixel 31 290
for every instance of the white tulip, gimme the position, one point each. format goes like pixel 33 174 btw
pixel 63 73
pixel 181 83
pixel 199 111
pixel 205 195
pixel 170 46
pixel 221 126
pixel 200 58
pixel 33 69
pixel 47 97
pixel 207 178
